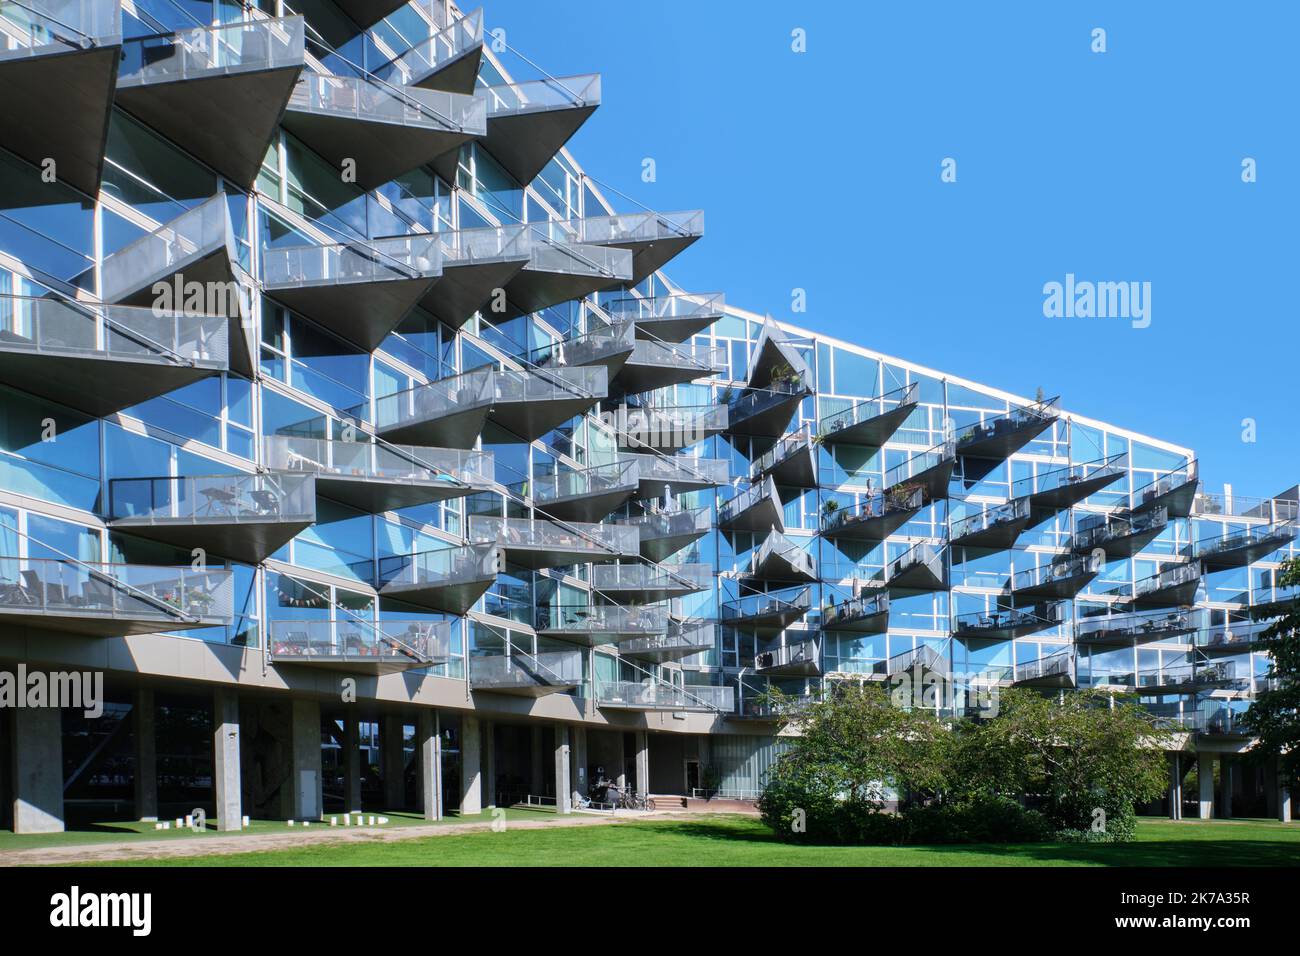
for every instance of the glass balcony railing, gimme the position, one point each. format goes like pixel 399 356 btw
pixel 680 471
pixel 857 612
pixel 1176 489
pixel 70 328
pixel 377 260
pixel 1241 547
pixel 597 346
pixel 1172 583
pixel 203 51
pixel 755 402
pixel 897 504
pixel 429 55
pixel 594 540
pixel 212 499
pixel 787 556
pixel 1272 598
pixel 1232 638
pixel 521 671
pixel 987 522
pixel 800 655
pixel 484 244
pixel 646 426
pixel 921 566
pixel 671 318
pixel 1272 510
pixel 548 94
pixel 999 435
pixel 351 97
pixel 787 603
pixel 702 358
pixel 924 469
pixel 651 578
pixel 1138 626
pixel 113 599
pixel 870 421
pixel 1062 487
pixel 921 657
pixel 680 640
pixel 30 25
pixel 670 524
pixel 372 460
pixel 405 644
pixel 651 695
pixel 1109 532
pixel 786 448
pixel 634 227
pixel 1005 623
pixel 618 476
pixel 434 400
pixel 1054 668
pixel 762 495
pixel 609 619
pixel 1060 578
pixel 444 567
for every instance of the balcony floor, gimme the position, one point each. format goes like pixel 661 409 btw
pixel 248 540
pixel 466 286
pixel 456 429
pixel 20 621
pixel 363 313
pixel 355 664
pixel 375 495
pixel 539 286
pixel 587 508
pixel 459 74
pixel 455 598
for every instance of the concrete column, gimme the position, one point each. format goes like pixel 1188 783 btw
pixel 489 761
pixel 580 782
pixel 428 740
pixel 351 762
pixel 1225 786
pixel 620 771
pixel 1205 773
pixel 1283 800
pixel 307 801
pixel 146 754
pixel 538 784
pixel 1175 786
pixel 394 761
pixel 642 763
pixel 471 777
pixel 225 759
pixel 563 789
pixel 36 745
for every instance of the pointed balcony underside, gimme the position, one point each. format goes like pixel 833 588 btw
pixel 453 586
pixel 524 137
pixel 998 533
pixel 763 414
pixel 1073 490
pixel 466 286
pixel 531 417
pixel 999 440
pixel 918 571
pixel 250 542
pixel 1176 499
pixel 791 660
pixel 866 614
pixel 376 495
pixel 225 113
pixel 651 365
pixel 1245 548
pixel 562 272
pixel 764 616
pixel 658 546
pixel 1174 587
pixel 363 13
pixel 651 255
pixel 456 74
pixel 794 466
pixel 1005 625
pixel 873 431
pixel 1055 586
pixel 56 105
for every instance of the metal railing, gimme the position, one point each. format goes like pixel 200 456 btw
pixel 650 576
pixel 54 326
pixel 128 592
pixel 215 499
pixel 371 101
pixel 445 566
pixel 778 545
pixel 69 24
pixel 1140 624
pixel 786 655
pixel 1272 510
pixel 544 94
pixel 879 505
pixel 681 469
pixel 426 55
pixel 855 609
pixel 920 463
pixel 1096 531
pixel 594 346
pixel 520 669
pixel 1006 619
pixel 668 524
pixel 1169 577
pixel 784 448
pixel 752 496
pixel 1164 484
pixel 795 600
pixel 1057 664
pixel 376 260
pixel 706 359
pixel 755 401
pixel 657 695
pixel 664 307
pixel 398 463
pixel 619 475
pixel 991 517
pixel 1069 475
pixel 847 411
pixel 602 619
pixel 922 656
pixel 1055 571
pixel 1005 423
pixel 543 535
pixel 1270 535
pixel 690 637
pixel 201 51
pixel 419 643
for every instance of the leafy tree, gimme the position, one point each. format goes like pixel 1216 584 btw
pixel 1274 716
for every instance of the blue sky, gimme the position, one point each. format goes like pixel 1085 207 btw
pixel 821 171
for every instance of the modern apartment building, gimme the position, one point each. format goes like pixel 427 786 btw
pixel 355 434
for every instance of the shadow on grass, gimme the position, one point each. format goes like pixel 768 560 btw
pixel 1166 851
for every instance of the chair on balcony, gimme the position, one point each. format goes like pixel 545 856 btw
pixel 265 501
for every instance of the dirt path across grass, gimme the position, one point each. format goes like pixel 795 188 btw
pixel 215 846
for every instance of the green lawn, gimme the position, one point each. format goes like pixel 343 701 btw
pixel 133 831
pixel 743 841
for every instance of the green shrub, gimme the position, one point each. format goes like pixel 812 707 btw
pixel 984 819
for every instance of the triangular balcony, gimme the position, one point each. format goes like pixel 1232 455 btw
pixel 475 263
pixel 218 91
pixel 664 533
pixel 997 437
pixel 1232 638
pixel 195 256
pixel 109 600
pixel 1273 599
pixel 1066 487
pixel 529 122
pixel 653 365
pixel 1125 629
pixel 376 130
pixel 450 580
pixel 448 413
pixel 1003 624
pixel 526 675
pixel 871 422
pixel 1058 579
pixel 663 475
pixel 586 494
pixel 360 15
pixel 652 694
pixel 1173 586
pixel 653 238
pixel 376 477
pixel 766 412
pixel 768 611
pixel 58 67
pixel 355 645
pixel 668 318
pixel 931 470
pixel 682 640
pixel 1055 670
pixel 666 429
pixel 791 462
pixel 360 290
pixel 561 272
pixel 874 517
pixel 1175 491
pixel 608 346
pixel 530 404
pixel 775 362
pixel 1245 546
pixel 537 544
pixel 917 661
pixel 52 347
pixel 595 624
pixel 868 613
pixel 1120 536
pixel 795 659
pixel 780 559
pixel 448 60
pixel 648 583
pixel 244 517
pixel 758 508
pixel 993 527
pixel 919 568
